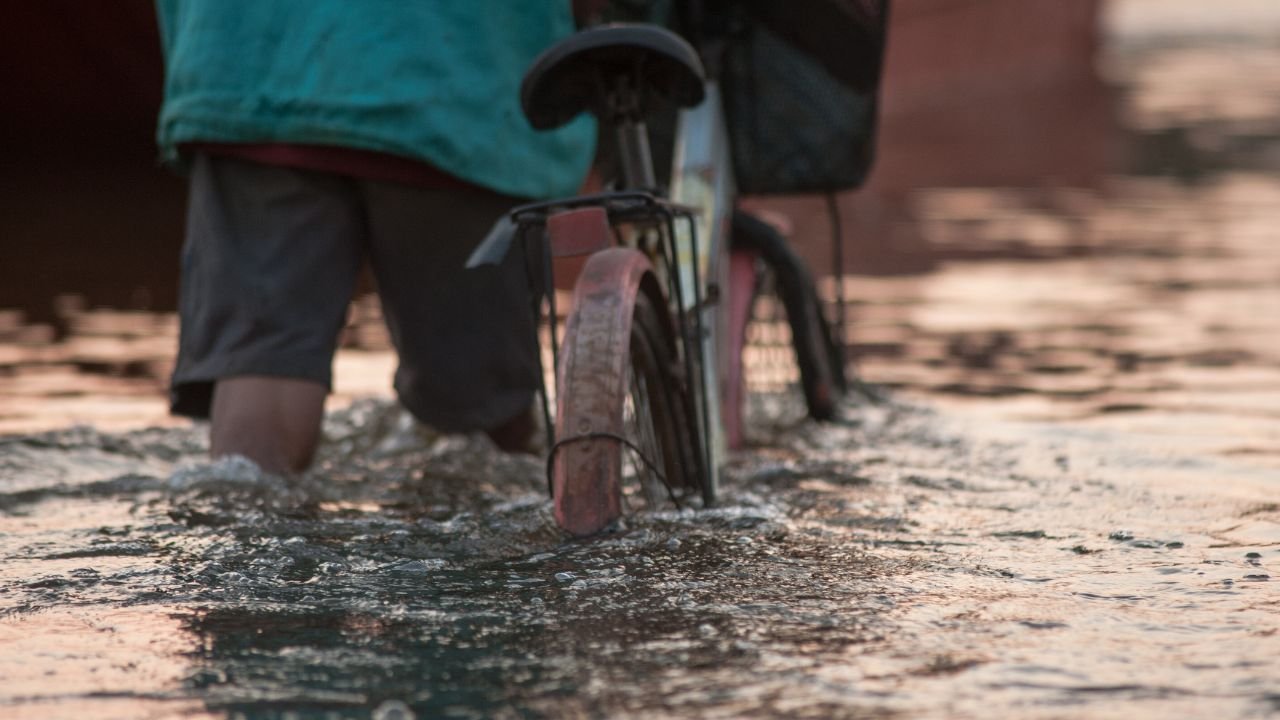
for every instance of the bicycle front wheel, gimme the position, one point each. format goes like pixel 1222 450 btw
pixel 818 357
pixel 625 438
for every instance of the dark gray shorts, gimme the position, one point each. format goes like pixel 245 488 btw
pixel 270 263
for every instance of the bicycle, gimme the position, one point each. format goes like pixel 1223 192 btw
pixel 650 365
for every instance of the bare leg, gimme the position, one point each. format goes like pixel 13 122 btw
pixel 273 421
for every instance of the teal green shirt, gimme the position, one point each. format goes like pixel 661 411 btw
pixel 432 80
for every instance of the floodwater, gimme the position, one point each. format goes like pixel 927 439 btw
pixel 1068 506
pixel 888 564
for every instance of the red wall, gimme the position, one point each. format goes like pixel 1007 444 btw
pixel 976 93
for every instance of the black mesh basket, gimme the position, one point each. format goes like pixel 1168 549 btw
pixel 800 83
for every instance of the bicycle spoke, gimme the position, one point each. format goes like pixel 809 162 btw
pixel 638 427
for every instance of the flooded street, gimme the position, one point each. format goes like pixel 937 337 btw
pixel 1067 506
pixel 892 564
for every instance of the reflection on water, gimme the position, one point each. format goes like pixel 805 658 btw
pixel 1154 311
pixel 1087 527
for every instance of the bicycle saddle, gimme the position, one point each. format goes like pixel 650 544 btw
pixel 586 71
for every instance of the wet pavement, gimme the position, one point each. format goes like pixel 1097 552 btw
pixel 1068 507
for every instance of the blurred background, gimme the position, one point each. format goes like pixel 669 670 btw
pixel 1071 218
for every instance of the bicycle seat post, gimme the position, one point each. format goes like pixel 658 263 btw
pixel 632 136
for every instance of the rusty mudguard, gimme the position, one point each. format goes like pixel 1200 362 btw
pixel 586 469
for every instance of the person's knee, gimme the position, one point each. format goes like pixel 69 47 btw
pixel 273 421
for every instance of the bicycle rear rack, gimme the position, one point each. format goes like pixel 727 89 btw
pixel 641 209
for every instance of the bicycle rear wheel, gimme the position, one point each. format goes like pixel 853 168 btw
pixel 626 441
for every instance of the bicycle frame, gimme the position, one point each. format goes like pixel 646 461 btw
pixel 702 178
pixel 702 181
pixel 694 220
pixel 661 293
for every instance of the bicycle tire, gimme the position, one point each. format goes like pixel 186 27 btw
pixel 816 356
pixel 819 359
pixel 645 404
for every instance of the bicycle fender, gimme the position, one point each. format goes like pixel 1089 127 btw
pixel 742 289
pixel 586 477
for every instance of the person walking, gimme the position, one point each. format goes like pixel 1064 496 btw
pixel 321 134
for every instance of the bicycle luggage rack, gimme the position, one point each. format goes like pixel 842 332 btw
pixel 620 207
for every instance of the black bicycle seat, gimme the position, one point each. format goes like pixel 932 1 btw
pixel 577 73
